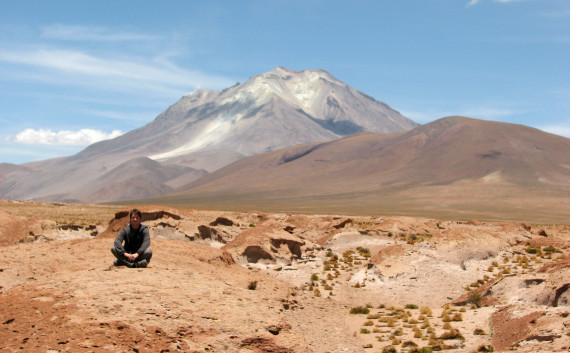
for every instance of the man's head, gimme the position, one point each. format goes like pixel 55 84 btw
pixel 135 216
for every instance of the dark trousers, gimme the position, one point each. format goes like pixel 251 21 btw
pixel 146 255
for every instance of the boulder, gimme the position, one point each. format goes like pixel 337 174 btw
pixel 264 243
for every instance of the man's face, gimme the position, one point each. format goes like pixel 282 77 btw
pixel 135 221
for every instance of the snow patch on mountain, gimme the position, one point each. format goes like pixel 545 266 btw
pixel 217 130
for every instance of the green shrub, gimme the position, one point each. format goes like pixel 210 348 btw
pixel 475 298
pixel 360 310
pixel 425 350
pixel 550 249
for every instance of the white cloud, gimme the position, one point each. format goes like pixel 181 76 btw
pixel 82 33
pixel 487 113
pixel 77 62
pixel 428 114
pixel 423 117
pixel 559 129
pixel 475 2
pixel 83 137
pixel 135 74
pixel 131 116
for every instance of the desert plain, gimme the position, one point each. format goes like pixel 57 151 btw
pixel 222 281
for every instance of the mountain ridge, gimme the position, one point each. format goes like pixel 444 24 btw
pixel 476 166
pixel 207 130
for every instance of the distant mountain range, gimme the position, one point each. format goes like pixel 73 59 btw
pixel 455 166
pixel 203 132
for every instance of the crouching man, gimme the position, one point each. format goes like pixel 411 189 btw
pixel 131 247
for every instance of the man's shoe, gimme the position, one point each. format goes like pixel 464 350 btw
pixel 141 264
pixel 123 263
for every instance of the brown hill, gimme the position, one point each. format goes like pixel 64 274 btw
pixel 456 166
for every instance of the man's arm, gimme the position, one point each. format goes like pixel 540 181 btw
pixel 146 241
pixel 119 242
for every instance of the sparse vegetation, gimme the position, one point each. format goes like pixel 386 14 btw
pixel 425 350
pixel 402 328
pixel 407 344
pixel 451 334
pixel 475 298
pixel 63 213
pixel 360 310
pixel 398 332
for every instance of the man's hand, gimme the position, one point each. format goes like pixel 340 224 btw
pixel 132 257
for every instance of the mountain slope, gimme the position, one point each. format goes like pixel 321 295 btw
pixel 456 163
pixel 278 109
pixel 138 176
pixel 207 130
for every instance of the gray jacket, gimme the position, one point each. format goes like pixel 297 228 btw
pixel 135 240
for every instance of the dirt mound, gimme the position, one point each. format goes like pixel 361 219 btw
pixel 149 213
pixel 386 253
pixel 191 298
pixel 12 228
pixel 264 243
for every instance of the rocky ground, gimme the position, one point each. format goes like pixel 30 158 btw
pixel 258 282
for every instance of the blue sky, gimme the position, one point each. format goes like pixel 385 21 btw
pixel 75 72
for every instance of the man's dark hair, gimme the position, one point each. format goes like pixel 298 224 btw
pixel 135 211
